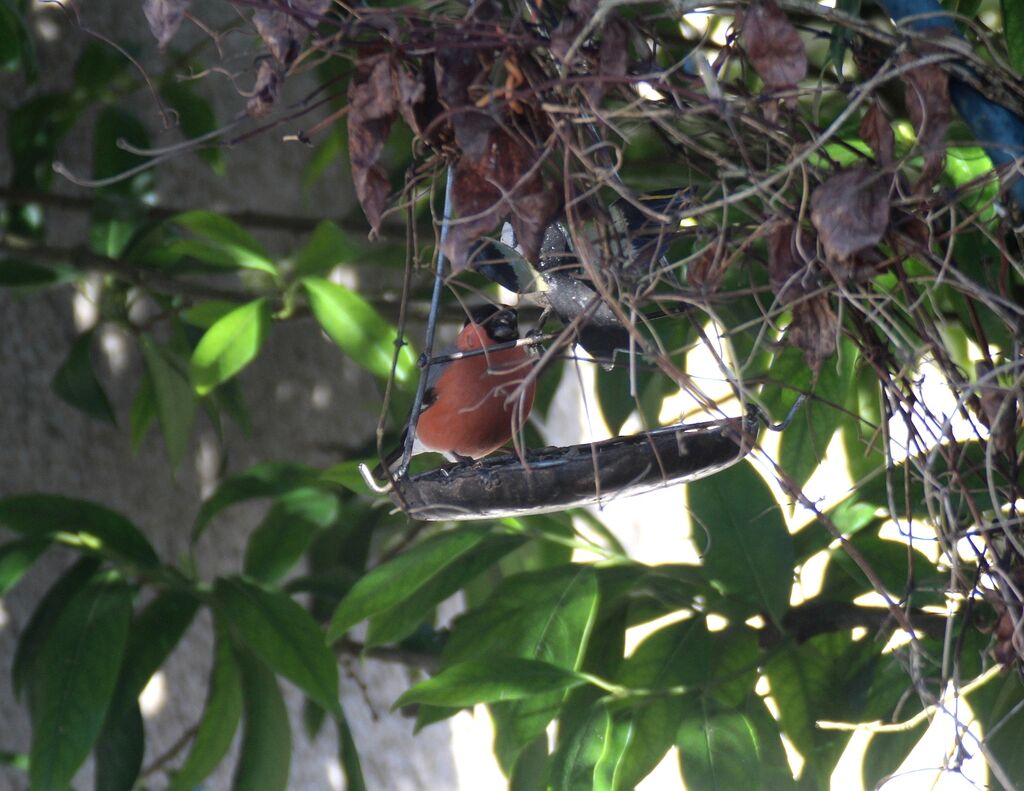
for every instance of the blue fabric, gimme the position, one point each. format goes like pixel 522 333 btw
pixel 998 130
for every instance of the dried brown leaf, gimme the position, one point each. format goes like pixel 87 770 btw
pixel 926 90
pixel 503 180
pixel 284 31
pixel 877 133
pixel 851 211
pixel 457 69
pixel 704 274
pixel 773 46
pixel 379 89
pixel 613 58
pixel 787 269
pixel 164 18
pixel 813 329
pixel 264 92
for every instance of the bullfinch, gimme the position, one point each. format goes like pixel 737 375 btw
pixel 474 404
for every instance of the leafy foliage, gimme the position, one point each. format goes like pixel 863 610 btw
pixel 784 186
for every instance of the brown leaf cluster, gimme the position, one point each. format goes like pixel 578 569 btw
pixel 876 131
pixel 502 179
pixel 379 90
pixel 814 329
pixel 1004 651
pixel 613 58
pixel 264 93
pixel 164 18
pixel 792 279
pixel 788 272
pixel 284 32
pixel 773 46
pixel 926 90
pixel 851 211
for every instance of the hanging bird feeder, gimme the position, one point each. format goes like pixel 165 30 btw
pixel 554 479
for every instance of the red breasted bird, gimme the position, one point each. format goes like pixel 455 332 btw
pixel 474 404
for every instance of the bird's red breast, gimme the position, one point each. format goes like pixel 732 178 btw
pixel 481 401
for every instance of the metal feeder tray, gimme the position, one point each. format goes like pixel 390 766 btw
pixel 555 479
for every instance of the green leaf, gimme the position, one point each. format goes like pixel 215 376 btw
pixel 861 436
pixel 489 681
pixel 326 248
pixel 18 273
pixel 825 678
pixel 154 633
pixel 283 635
pixel 17 557
pixel 999 706
pixel 230 345
pixel 72 680
pixel 98 68
pixel 77 523
pixel 804 442
pixel 144 411
pixel 352 323
pixel 725 747
pixel 41 624
pixel 205 314
pixel 287 531
pixel 747 549
pixel 1013 29
pixel 120 749
pixel 348 756
pixel 395 581
pixel 270 479
pixel 109 159
pixel 266 749
pixel 545 615
pixel 152 636
pixel 196 118
pixel 582 743
pixel 17 47
pixel 892 698
pixel 76 382
pixel 676 656
pixel 175 404
pixel 220 717
pixel 223 242
pixel 613 395
pixel 895 562
pixel 401 620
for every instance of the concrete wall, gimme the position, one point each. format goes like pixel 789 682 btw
pixel 302 393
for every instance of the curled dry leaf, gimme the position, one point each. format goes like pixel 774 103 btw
pixel 164 18
pixel 505 179
pixel 457 69
pixel 705 273
pixel 814 329
pixel 773 46
pixel 284 31
pixel 926 89
pixel 851 211
pixel 264 92
pixel 877 133
pixel 572 25
pixel 787 269
pixel 378 91
pixel 613 57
